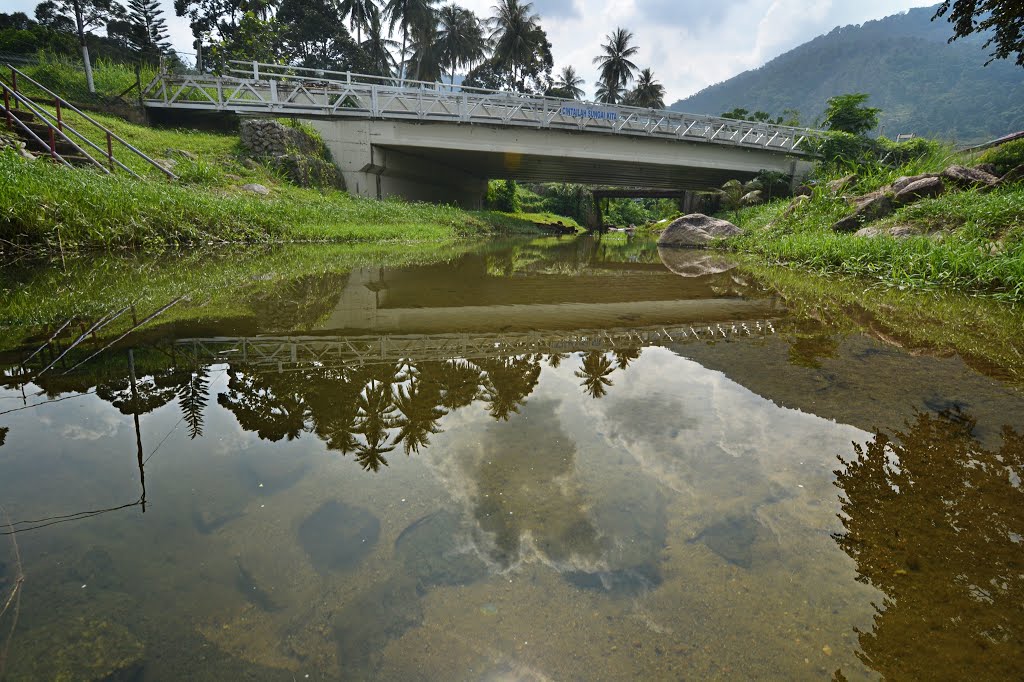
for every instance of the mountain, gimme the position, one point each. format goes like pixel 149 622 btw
pixel 922 84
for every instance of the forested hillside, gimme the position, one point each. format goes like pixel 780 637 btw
pixel 922 84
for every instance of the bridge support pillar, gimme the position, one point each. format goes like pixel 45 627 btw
pixel 378 172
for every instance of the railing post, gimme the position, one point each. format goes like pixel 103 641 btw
pixel 60 119
pixel 255 70
pixel 7 108
pixel 110 152
pixel 53 144
pixel 14 85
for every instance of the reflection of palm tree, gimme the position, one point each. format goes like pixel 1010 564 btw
pixel 594 372
pixel 933 519
pixel 152 392
pixel 418 404
pixel 555 359
pixel 625 356
pixel 332 399
pixel 3 434
pixel 375 415
pixel 460 382
pixel 509 382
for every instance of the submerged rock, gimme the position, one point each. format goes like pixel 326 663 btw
pixel 78 649
pixel 363 627
pixel 337 537
pixel 733 539
pixel 624 581
pixel 430 550
pixel 697 230
pixel 694 263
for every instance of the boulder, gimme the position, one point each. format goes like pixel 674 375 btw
pixel 969 177
pixel 920 189
pixel 837 186
pixel 803 191
pixel 901 183
pixel 795 204
pixel 256 189
pixel 688 263
pixel 1014 175
pixel 866 209
pixel 897 231
pixel 181 153
pixel 989 168
pixel 697 230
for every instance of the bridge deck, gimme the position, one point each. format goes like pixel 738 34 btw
pixel 275 90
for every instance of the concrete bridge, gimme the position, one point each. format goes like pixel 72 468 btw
pixel 438 142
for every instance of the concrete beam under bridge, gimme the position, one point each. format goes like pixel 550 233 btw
pixel 446 162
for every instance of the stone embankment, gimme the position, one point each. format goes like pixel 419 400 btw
pixel 292 151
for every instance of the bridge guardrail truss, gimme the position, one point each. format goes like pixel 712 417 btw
pixel 276 90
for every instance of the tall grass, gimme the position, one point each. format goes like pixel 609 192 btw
pixel 66 77
pixel 58 208
pixel 969 240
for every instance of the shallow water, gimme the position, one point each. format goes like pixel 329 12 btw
pixel 547 460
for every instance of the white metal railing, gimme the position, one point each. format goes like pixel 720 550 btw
pixel 254 88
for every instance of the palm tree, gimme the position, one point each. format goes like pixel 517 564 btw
pixel 568 84
pixel 608 95
pixel 648 93
pixel 360 13
pixel 594 372
pixel 409 14
pixel 515 36
pixel 427 58
pixel 736 194
pixel 461 38
pixel 615 66
pixel 378 48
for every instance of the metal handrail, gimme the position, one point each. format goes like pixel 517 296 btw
pixel 58 128
pixel 11 119
pixel 261 71
pixel 111 135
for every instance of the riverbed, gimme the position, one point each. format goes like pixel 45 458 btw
pixel 548 459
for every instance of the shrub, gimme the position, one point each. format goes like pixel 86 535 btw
pixel 1006 156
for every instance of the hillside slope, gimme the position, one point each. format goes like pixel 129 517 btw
pixel 923 84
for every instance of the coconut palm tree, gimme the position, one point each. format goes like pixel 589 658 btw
pixel 360 15
pixel 736 194
pixel 648 92
pixel 409 15
pixel 378 48
pixel 616 69
pixel 425 62
pixel 608 94
pixel 568 84
pixel 461 37
pixel 516 34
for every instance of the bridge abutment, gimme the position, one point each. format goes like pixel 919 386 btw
pixel 378 172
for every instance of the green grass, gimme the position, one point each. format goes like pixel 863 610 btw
pixel 48 206
pixel 544 219
pixel 970 241
pixel 66 77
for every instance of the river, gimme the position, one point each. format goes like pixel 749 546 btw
pixel 548 459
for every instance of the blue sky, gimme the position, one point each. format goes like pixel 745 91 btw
pixel 689 44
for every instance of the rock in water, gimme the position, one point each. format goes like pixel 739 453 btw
pixel 429 548
pixel 697 230
pixel 694 264
pixel 338 536
pixel 77 649
pixel 364 625
pixel 732 539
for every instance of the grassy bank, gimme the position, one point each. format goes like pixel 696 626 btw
pixel 967 240
pixel 47 207
pixel 43 205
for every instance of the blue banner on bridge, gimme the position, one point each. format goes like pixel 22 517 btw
pixel 586 112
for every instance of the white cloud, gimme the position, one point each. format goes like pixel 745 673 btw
pixel 688 44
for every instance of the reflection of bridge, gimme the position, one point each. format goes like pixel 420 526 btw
pixel 289 351
pixel 439 142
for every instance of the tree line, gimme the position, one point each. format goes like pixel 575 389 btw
pixel 419 40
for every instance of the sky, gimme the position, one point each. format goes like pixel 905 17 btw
pixel 690 44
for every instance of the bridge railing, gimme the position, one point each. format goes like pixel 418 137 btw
pixel 280 90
